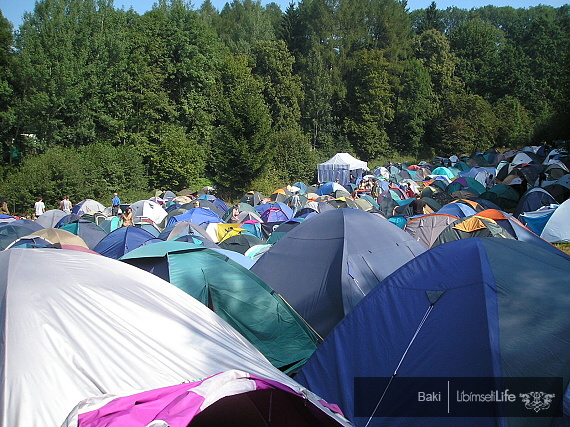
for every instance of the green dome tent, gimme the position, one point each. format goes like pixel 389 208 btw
pixel 238 296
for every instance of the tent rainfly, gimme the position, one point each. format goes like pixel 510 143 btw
pixel 340 167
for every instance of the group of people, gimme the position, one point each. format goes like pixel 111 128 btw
pixel 66 206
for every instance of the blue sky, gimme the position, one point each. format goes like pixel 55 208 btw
pixel 14 9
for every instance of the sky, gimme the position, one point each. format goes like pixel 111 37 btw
pixel 14 10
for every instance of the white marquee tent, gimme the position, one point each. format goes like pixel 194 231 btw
pixel 340 167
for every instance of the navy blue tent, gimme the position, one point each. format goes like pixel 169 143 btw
pixel 532 200
pixel 325 265
pixel 460 210
pixel 121 241
pixel 475 308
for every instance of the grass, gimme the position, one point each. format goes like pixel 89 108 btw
pixel 563 247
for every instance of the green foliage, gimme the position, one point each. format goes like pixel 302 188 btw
pixel 370 104
pixel 468 125
pixel 261 96
pixel 240 145
pixel 92 172
pixel 293 156
pixel 243 23
pixel 178 162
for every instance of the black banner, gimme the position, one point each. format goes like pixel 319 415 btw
pixel 458 397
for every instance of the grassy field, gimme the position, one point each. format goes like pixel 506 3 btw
pixel 564 247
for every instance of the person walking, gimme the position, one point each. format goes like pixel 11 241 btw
pixel 65 205
pixel 39 207
pixel 115 203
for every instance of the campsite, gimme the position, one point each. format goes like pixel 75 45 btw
pixel 330 303
pixel 312 213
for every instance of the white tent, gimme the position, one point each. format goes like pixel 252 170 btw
pixel 76 325
pixel 557 229
pixel 340 167
pixel 147 209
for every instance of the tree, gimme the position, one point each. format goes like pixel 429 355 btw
pixel 415 107
pixel 88 172
pixel 317 116
pixel 514 124
pixel 430 19
pixel 178 162
pixel 6 90
pixel 242 23
pixel 468 125
pixel 477 45
pixel 272 65
pixel 240 146
pixel 370 105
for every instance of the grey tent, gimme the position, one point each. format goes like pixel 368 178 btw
pixel 325 266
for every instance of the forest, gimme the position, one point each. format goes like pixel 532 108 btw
pixel 96 99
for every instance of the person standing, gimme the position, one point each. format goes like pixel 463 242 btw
pixel 39 207
pixel 65 205
pixel 127 217
pixel 115 203
pixel 4 209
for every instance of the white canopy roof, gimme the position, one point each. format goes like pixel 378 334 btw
pixel 345 159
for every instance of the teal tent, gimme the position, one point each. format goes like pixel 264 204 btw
pixel 503 195
pixel 238 296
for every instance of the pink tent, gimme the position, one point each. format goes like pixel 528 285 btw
pixel 226 398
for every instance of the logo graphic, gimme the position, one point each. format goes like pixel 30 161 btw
pixel 537 400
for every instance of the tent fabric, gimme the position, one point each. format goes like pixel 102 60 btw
pixel 95 217
pixel 466 184
pixel 110 224
pixel 56 235
pixel 11 231
pixel 50 218
pixel 519 231
pixel 240 243
pixel 557 229
pixel 325 265
pixel 497 307
pixel 532 200
pixel 503 195
pixel 238 296
pixel 443 171
pixel 536 220
pixel 426 228
pixel 122 241
pixel 205 204
pixel 29 241
pixel 470 227
pixel 90 232
pixel 261 209
pixel 182 228
pixel 199 216
pixel 340 167
pixel 236 257
pixel 147 209
pixel 459 210
pixel 216 400
pixel 87 206
pixel 329 188
pixel 108 328
pixel 253 198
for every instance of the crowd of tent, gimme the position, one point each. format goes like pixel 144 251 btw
pixel 266 311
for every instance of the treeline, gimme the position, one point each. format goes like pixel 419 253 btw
pixel 252 94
